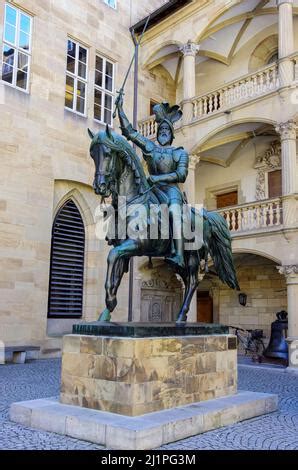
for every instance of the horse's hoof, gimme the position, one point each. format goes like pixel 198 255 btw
pixel 105 315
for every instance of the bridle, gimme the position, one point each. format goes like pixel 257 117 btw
pixel 110 176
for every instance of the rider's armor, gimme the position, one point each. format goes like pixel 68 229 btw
pixel 170 164
pixel 168 161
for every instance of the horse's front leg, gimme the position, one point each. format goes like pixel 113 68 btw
pixel 116 267
pixel 191 284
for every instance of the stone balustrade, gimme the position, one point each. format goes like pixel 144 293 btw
pixel 231 94
pixel 248 87
pixel 254 216
pixel 148 127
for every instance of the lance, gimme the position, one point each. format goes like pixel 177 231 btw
pixel 121 91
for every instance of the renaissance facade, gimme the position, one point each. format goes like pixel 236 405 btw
pixel 233 67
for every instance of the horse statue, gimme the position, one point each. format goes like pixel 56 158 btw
pixel 119 173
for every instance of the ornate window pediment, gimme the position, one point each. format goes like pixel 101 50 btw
pixel 265 162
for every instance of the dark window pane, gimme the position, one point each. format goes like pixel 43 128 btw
pixel 7 73
pixel 98 79
pixel 99 64
pixel 22 79
pixel 68 100
pixel 7 65
pixel 83 55
pixel 70 64
pixel 10 15
pixel 97 97
pixel 8 55
pixel 67 263
pixel 109 69
pixel 80 105
pixel 108 116
pixel 69 84
pixel 23 61
pixel 82 70
pixel 10 34
pixel 108 102
pixel 24 40
pixel 112 3
pixel 81 91
pixel 71 48
pixel 109 83
pixel 97 112
pixel 25 23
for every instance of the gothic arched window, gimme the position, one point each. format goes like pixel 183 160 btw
pixel 67 263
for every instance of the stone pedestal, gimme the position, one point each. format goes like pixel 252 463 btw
pixel 133 375
pixel 139 386
pixel 141 432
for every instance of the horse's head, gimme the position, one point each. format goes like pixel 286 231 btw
pixel 112 154
pixel 104 160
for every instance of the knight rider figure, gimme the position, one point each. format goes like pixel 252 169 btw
pixel 167 165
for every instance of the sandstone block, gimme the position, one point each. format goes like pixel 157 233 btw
pixel 91 344
pixel 111 374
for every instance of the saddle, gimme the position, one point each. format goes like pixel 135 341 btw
pixel 160 195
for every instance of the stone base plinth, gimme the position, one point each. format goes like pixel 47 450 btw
pixel 133 376
pixel 141 432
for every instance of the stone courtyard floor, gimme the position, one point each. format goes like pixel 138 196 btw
pixel 39 379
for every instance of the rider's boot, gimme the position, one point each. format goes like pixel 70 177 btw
pixel 178 257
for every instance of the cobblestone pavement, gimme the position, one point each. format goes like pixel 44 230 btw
pixel 40 379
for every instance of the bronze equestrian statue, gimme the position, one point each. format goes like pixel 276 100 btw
pixel 119 173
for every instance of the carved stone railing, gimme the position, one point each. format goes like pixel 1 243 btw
pixel 253 216
pixel 243 89
pixel 148 127
pixel 248 87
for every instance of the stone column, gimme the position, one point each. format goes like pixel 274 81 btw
pixel 190 185
pixel 285 41
pixel 291 274
pixel 190 189
pixel 287 131
pixel 189 51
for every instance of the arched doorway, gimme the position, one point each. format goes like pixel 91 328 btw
pixel 67 263
pixel 204 307
pixel 264 288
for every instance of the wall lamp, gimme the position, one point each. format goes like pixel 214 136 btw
pixel 242 299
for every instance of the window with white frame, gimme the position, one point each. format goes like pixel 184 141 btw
pixel 76 77
pixel 111 3
pixel 104 90
pixel 16 52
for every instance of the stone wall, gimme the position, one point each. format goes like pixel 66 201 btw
pixel 266 295
pixel 240 174
pixel 162 88
pixel 42 143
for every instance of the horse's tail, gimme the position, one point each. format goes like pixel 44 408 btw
pixel 219 246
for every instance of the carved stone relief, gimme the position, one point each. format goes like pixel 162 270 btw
pixel 269 160
pixel 161 294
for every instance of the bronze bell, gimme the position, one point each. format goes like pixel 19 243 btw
pixel 277 347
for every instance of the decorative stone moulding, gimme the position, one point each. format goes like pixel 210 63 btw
pixel 268 160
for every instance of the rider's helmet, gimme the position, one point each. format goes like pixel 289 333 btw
pixel 166 113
